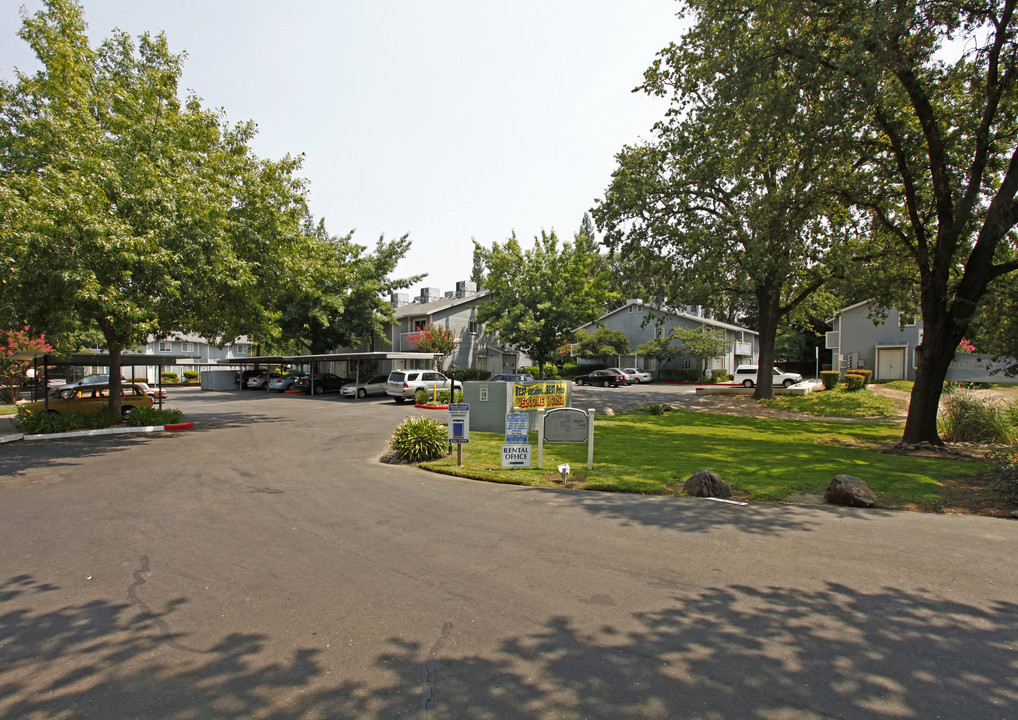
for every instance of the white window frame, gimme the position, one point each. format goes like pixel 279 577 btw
pixel 165 346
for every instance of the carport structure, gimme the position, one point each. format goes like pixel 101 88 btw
pixel 127 360
pixel 387 361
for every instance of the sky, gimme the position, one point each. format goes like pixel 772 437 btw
pixel 447 120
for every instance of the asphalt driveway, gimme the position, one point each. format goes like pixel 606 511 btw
pixel 265 565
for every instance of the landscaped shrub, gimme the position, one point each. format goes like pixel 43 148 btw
pixel 42 422
pixel 829 378
pixel 571 370
pixel 463 374
pixel 417 439
pixel 144 417
pixel 1005 473
pixel 422 396
pixel 686 375
pixel 191 376
pixel 720 376
pixel 855 382
pixel 169 377
pixel 443 397
pixel 551 372
pixel 967 418
pixel 867 375
pixel 656 409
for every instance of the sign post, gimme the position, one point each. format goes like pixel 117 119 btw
pixel 516 449
pixel 565 425
pixel 459 428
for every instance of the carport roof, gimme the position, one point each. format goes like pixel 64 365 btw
pixel 126 359
pixel 329 357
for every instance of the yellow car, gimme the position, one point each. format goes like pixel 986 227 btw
pixel 89 399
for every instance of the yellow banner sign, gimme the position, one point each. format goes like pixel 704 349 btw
pixel 540 395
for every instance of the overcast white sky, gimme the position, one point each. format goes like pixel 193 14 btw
pixel 447 119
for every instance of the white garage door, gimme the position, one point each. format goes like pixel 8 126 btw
pixel 890 364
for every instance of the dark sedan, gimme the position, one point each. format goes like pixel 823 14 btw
pixel 604 378
pixel 323 383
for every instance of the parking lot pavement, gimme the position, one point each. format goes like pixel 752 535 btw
pixel 265 564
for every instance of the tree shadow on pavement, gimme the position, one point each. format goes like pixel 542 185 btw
pixel 725 653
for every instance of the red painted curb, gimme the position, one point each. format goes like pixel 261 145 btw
pixel 181 426
pixel 294 392
pixel 432 407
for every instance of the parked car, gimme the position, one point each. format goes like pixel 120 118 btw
pixel 604 378
pixel 639 376
pixel 89 399
pixel 83 382
pixel 746 374
pixel 373 386
pixel 512 377
pixel 284 382
pixel 403 384
pixel 627 378
pixel 154 393
pixel 323 383
pixel 261 382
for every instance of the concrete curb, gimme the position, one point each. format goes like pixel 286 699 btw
pixel 94 433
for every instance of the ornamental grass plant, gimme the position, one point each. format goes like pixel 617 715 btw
pixel 418 439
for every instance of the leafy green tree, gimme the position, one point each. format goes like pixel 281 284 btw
pixel 734 200
pixel 662 349
pixel 602 344
pixel 540 295
pixel 927 93
pixel 343 297
pixel 433 339
pixel 702 344
pixel 129 211
pixel 477 267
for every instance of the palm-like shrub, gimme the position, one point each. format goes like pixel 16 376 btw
pixel 967 418
pixel 418 439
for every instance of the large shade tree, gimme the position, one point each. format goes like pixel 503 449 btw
pixel 928 93
pixel 733 203
pixel 540 295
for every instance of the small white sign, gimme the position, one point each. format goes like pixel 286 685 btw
pixel 483 393
pixel 516 456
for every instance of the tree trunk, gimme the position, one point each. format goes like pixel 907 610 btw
pixel 115 349
pixel 767 326
pixel 934 356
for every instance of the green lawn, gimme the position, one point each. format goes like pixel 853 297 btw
pixel 837 402
pixel 761 459
pixel 8 409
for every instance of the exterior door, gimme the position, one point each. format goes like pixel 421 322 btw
pixel 890 364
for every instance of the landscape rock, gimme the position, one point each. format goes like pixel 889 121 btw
pixel 849 490
pixel 707 483
pixel 609 411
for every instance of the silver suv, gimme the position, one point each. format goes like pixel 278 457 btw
pixel 746 374
pixel 404 384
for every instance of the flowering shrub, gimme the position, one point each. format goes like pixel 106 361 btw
pixel 13 372
pixel 966 347
pixel 433 339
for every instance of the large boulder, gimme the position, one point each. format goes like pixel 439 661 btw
pixel 849 490
pixel 707 483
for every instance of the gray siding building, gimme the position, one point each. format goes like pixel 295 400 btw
pixel 642 322
pixel 887 346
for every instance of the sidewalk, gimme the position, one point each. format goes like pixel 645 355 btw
pixel 7 426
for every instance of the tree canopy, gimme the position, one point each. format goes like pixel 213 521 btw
pixel 131 211
pixel 539 296
pixel 602 344
pixel 733 203
pixel 927 92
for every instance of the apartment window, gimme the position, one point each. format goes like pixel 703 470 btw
pixel 186 347
pixel 420 325
pixel 165 346
pixel 473 327
pixel 906 320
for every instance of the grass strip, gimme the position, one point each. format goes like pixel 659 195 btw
pixel 836 402
pixel 761 459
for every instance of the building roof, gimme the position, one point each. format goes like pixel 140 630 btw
pixel 676 313
pixel 436 306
